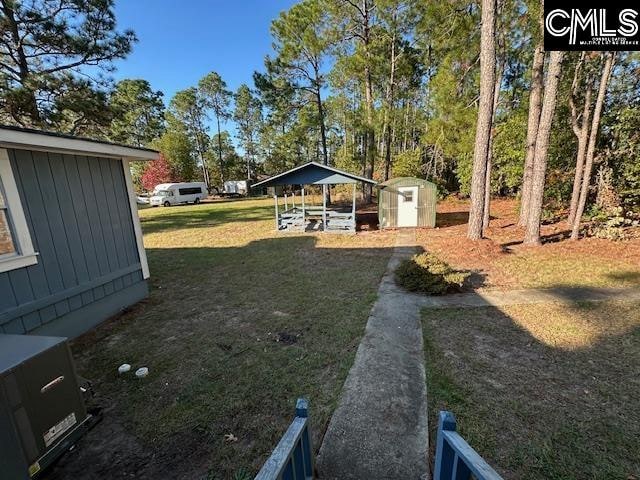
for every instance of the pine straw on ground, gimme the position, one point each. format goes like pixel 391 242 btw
pixel 501 261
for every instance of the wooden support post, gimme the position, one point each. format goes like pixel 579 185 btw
pixel 353 207
pixel 324 207
pixel 286 207
pixel 293 200
pixel 304 225
pixel 275 197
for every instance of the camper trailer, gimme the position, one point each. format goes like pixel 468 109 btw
pixel 167 194
pixel 234 188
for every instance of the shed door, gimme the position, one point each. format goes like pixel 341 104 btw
pixel 407 206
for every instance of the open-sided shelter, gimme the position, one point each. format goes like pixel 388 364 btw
pixel 299 217
pixel 407 202
pixel 71 251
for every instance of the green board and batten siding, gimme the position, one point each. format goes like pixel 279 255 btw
pixel 388 201
pixel 79 216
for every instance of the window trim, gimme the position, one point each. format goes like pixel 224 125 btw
pixel 25 255
pixel 133 207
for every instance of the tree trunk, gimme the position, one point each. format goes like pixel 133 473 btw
pixel 486 218
pixel 390 92
pixel 199 149
pixel 580 128
pixel 220 154
pixel 405 137
pixel 593 136
pixel 532 235
pixel 485 113
pixel 323 137
pixel 323 132
pixel 535 106
pixel 249 158
pixel 370 140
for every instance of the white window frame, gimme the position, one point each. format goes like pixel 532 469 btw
pixel 24 254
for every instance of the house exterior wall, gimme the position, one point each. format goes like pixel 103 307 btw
pixel 388 202
pixel 89 268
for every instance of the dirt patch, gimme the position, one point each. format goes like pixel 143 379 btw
pixel 110 450
pixel 286 338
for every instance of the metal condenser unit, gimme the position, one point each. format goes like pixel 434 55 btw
pixel 42 411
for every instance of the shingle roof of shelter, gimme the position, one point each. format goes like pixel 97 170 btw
pixel 313 173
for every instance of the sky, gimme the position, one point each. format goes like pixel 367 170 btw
pixel 181 41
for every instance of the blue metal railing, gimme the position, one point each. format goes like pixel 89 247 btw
pixel 292 459
pixel 455 459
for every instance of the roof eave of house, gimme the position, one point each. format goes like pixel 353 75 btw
pixel 12 137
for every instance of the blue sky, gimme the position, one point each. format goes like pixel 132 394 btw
pixel 181 41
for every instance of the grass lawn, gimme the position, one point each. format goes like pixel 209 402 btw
pixel 541 391
pixel 502 262
pixel 240 322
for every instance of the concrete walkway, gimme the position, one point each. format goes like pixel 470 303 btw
pixel 564 295
pixel 379 430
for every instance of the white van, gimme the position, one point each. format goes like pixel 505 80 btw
pixel 167 194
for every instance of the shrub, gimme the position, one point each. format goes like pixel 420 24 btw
pixel 613 224
pixel 426 273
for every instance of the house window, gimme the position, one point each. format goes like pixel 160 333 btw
pixel 7 246
pixel 16 247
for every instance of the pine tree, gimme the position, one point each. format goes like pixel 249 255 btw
pixel 43 45
pixel 532 235
pixel 485 115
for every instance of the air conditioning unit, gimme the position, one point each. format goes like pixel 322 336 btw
pixel 42 411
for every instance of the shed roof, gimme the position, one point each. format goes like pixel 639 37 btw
pixel 25 138
pixel 404 181
pixel 393 184
pixel 313 173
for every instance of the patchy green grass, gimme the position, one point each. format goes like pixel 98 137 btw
pixel 541 391
pixel 239 323
pixel 540 269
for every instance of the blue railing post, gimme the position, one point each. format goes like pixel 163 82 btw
pixel 302 411
pixel 292 459
pixel 302 408
pixel 445 455
pixel 455 459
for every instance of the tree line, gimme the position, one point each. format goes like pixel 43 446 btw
pixel 458 92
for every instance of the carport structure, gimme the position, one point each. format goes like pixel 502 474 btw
pixel 304 217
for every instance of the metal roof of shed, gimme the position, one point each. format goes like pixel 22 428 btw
pixel 404 180
pixel 313 173
pixel 393 184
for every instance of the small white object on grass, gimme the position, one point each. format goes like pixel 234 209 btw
pixel 124 368
pixel 142 372
pixel 230 437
